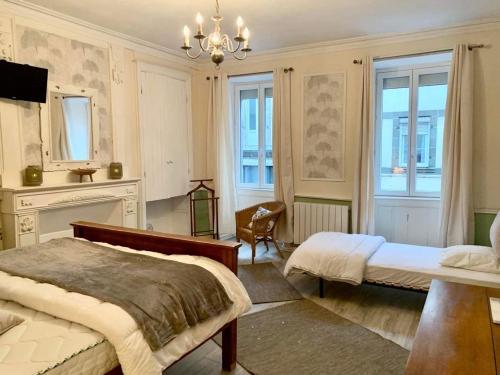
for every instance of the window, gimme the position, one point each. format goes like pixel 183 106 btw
pixel 253 109
pixel 411 102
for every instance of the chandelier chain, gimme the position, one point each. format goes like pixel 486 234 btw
pixel 217 7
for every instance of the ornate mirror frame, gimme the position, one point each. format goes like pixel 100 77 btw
pixel 45 112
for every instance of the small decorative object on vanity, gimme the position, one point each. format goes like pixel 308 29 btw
pixel 84 172
pixel 33 175
pixel 115 170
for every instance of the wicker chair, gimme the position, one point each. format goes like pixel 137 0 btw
pixel 262 229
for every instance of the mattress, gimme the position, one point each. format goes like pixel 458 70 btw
pixel 414 267
pixel 43 344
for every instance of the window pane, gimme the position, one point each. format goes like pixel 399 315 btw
pixel 249 136
pixel 432 91
pixel 268 103
pixel 394 141
pixel 250 174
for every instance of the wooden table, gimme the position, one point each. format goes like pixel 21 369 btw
pixel 456 334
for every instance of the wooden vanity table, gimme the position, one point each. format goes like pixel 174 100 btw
pixel 456 334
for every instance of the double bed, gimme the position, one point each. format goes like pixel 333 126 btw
pixel 355 259
pixel 68 332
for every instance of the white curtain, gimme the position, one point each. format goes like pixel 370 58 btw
pixel 65 149
pixel 457 211
pixel 220 152
pixel 282 150
pixel 363 202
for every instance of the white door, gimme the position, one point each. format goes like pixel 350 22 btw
pixel 165 132
pixel 177 150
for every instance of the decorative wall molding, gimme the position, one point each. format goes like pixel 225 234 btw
pixel 116 65
pixel 22 8
pixel 488 211
pixel 6 39
pixel 359 43
pixel 80 198
pixel 26 224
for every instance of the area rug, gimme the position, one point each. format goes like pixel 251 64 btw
pixel 304 338
pixel 265 283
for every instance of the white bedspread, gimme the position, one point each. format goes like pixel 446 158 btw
pixel 334 256
pixel 134 354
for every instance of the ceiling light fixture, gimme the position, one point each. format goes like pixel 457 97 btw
pixel 217 43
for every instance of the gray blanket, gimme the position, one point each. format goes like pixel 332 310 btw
pixel 164 297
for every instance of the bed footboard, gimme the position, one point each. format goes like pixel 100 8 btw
pixel 224 252
pixel 221 251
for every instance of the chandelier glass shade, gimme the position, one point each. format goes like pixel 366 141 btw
pixel 216 44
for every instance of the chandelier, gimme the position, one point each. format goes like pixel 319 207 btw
pixel 217 43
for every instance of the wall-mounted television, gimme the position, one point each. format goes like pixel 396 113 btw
pixel 23 82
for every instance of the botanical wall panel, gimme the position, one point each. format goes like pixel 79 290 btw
pixel 323 127
pixel 69 62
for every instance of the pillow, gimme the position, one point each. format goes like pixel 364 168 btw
pixel 495 235
pixel 8 321
pixel 469 257
pixel 261 211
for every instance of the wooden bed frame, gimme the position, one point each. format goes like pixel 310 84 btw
pixel 221 251
pixel 322 287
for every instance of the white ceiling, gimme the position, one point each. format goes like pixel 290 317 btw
pixel 277 23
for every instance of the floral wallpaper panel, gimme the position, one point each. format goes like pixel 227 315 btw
pixel 69 62
pixel 323 127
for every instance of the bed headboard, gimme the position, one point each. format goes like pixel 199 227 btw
pixel 224 252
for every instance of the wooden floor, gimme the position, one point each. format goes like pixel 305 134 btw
pixel 393 314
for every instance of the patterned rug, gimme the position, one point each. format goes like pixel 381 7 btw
pixel 265 283
pixel 304 338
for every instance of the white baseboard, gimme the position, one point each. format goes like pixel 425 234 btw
pixel 225 237
pixel 50 236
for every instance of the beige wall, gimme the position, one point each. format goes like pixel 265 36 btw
pixel 487 97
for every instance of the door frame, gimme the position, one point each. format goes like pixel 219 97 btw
pixel 176 74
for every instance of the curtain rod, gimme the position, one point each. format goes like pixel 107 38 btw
pixel 290 69
pixel 413 54
pixel 470 47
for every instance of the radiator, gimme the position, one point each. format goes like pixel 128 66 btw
pixel 310 218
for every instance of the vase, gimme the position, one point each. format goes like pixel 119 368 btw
pixel 33 175
pixel 115 170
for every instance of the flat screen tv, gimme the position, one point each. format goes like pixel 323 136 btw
pixel 23 82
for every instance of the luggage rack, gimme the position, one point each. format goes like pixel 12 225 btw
pixel 204 210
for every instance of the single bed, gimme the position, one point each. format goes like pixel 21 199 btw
pixel 46 344
pixel 360 258
pixel 414 267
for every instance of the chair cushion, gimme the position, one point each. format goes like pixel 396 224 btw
pixel 261 211
pixel 8 321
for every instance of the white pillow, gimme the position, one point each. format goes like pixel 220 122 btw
pixel 469 257
pixel 495 235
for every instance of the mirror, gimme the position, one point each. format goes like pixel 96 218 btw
pixel 70 132
pixel 70 127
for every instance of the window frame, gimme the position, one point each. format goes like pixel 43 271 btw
pixel 260 85
pixel 412 72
